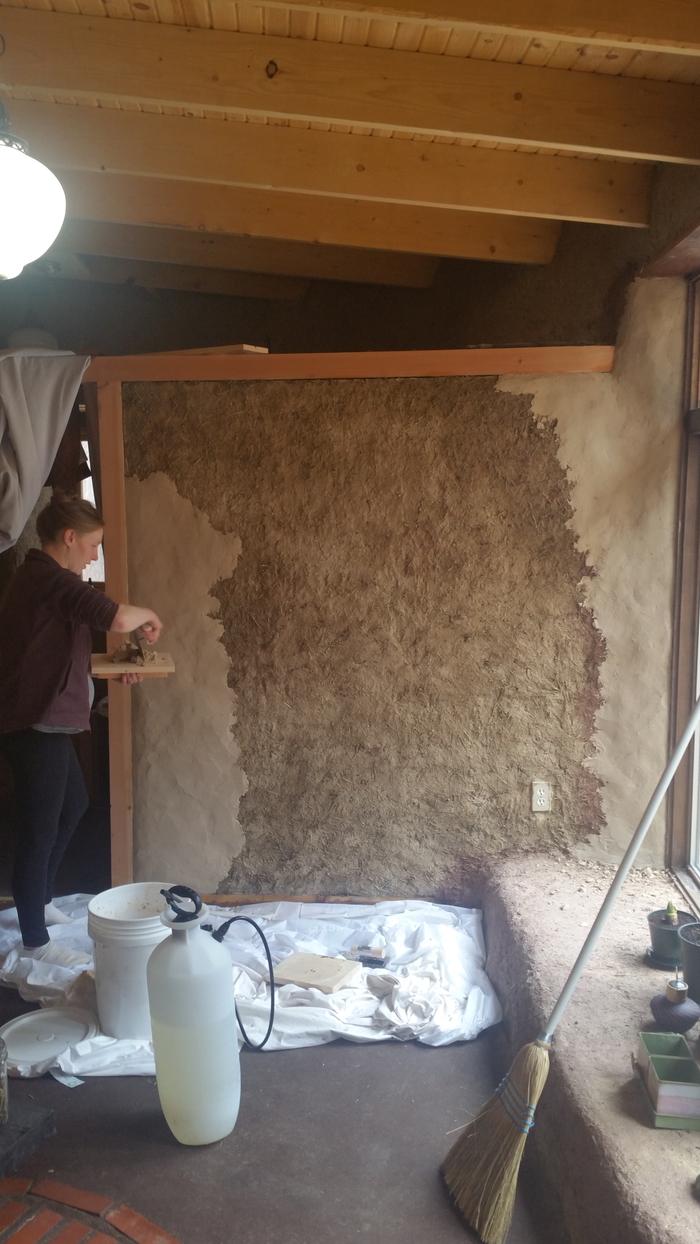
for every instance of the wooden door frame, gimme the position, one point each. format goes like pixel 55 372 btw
pixel 686 607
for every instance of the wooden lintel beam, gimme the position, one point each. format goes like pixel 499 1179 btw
pixel 671 26
pixel 386 227
pixel 531 360
pixel 313 162
pixel 63 265
pixel 221 251
pixel 315 81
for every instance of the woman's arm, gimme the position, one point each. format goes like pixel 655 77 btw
pixel 133 617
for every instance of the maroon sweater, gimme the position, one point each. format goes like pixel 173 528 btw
pixel 45 623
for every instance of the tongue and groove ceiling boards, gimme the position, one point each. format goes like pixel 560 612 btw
pixel 240 148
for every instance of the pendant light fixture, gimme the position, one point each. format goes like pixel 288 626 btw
pixel 32 204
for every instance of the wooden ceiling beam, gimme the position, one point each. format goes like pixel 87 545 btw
pixel 207 208
pixel 60 264
pixel 340 83
pixel 314 162
pixel 221 251
pixel 672 26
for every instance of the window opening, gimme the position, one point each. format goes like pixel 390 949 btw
pixel 95 572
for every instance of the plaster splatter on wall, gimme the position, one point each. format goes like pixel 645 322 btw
pixel 187 774
pixel 404 629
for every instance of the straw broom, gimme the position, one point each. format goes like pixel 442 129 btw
pixel 481 1169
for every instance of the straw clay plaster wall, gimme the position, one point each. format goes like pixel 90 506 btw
pixel 380 601
pixel 619 441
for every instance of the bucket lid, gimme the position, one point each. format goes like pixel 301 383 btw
pixel 38 1038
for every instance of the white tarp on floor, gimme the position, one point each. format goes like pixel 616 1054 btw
pixel 433 989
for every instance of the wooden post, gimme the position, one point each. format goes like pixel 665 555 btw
pixel 109 408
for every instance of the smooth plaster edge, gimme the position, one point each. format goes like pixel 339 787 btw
pixel 194 708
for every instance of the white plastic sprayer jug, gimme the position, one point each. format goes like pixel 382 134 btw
pixel 193 1020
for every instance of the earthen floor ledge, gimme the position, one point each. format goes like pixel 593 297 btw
pixel 605 1172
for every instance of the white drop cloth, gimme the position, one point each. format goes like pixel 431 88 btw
pixel 434 988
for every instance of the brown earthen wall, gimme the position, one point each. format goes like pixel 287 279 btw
pixel 405 624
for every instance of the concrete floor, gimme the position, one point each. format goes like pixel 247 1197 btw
pixel 338 1143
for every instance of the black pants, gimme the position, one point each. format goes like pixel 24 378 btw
pixel 51 800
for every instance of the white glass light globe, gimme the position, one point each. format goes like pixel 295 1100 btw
pixel 32 210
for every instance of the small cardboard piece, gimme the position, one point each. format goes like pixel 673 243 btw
pixel 102 666
pixel 316 972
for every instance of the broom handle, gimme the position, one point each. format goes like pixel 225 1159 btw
pixel 621 875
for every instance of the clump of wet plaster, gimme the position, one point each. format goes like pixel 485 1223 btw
pixel 405 626
pixel 188 778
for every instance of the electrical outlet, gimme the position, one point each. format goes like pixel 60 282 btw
pixel 541 796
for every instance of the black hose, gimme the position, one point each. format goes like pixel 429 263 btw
pixel 219 936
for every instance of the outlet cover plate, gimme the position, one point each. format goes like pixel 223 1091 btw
pixel 541 796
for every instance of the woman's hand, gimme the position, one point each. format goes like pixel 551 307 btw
pixel 151 629
pixel 129 680
pixel 132 618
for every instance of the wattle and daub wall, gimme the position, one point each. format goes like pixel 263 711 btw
pixel 384 616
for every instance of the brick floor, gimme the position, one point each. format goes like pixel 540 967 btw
pixel 35 1228
pixel 72 1233
pixel 77 1198
pixel 26 1218
pixel 135 1227
pixel 14 1186
pixel 10 1212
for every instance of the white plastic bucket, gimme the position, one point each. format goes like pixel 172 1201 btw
pixel 125 925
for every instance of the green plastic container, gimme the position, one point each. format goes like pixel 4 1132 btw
pixel 670 1080
pixel 674 1085
pixel 670 1044
pixel 674 1122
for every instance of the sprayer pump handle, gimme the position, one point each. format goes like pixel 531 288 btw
pixel 182 914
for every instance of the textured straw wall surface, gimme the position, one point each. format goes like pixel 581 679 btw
pixel 405 629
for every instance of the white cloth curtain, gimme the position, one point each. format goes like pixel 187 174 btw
pixel 37 391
